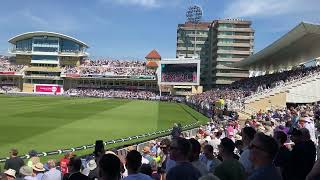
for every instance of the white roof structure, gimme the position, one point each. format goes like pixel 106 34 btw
pixel 44 33
pixel 299 45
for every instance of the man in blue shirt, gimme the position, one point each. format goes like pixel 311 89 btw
pixel 263 150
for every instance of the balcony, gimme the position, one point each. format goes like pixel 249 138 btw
pixel 235 44
pixel 189 49
pixel 191 41
pixel 229 59
pixel 30 52
pixel 234 37
pixel 240 75
pixel 234 52
pixel 235 29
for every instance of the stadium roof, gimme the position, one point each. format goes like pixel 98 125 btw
pixel 299 45
pixel 153 55
pixel 44 33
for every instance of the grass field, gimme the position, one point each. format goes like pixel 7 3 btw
pixel 51 123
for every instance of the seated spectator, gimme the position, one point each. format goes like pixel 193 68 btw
pixel 180 149
pixel 53 173
pixel 38 170
pixel 263 150
pixel 133 163
pixel 10 174
pixel 64 163
pixel 74 167
pixel 109 167
pixel 223 171
pixel 26 173
pixel 93 170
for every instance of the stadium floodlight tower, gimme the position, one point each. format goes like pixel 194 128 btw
pixel 194 15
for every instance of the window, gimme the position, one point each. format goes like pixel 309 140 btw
pixel 44 58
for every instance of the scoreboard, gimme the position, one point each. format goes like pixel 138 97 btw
pixel 179 72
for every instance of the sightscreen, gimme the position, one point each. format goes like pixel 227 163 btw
pixel 179 73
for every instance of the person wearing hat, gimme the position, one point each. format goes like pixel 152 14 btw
pixel 92 166
pixel 38 170
pixel 26 173
pixel 14 162
pixel 10 174
pixel 53 173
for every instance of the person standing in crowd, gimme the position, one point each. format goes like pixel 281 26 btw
pixel 230 168
pixel 282 158
pixel 14 162
pixel 167 162
pixel 263 150
pixel 176 131
pixel 302 156
pixel 248 134
pixel 210 161
pixel 180 149
pixel 315 172
pixel 194 157
pixel 74 167
pixel 53 173
pixel 34 159
pixel 133 163
pixel 109 167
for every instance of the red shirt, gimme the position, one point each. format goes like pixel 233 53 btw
pixel 64 165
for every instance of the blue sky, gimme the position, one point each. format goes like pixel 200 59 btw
pixel 131 28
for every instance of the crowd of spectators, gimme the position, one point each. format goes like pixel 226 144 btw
pixel 280 144
pixel 268 81
pixel 233 98
pixel 178 77
pixel 7 66
pixel 112 93
pixel 234 95
pixel 111 68
pixel 8 88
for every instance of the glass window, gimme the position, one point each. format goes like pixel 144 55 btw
pixel 24 45
pixel 69 46
pixel 44 58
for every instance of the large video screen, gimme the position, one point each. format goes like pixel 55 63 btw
pixel 179 73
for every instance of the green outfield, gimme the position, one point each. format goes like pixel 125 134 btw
pixel 51 123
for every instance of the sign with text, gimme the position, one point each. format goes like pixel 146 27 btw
pixel 40 88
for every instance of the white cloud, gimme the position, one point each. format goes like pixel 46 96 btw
pixel 267 8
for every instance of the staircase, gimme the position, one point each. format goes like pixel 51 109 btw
pixel 304 90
